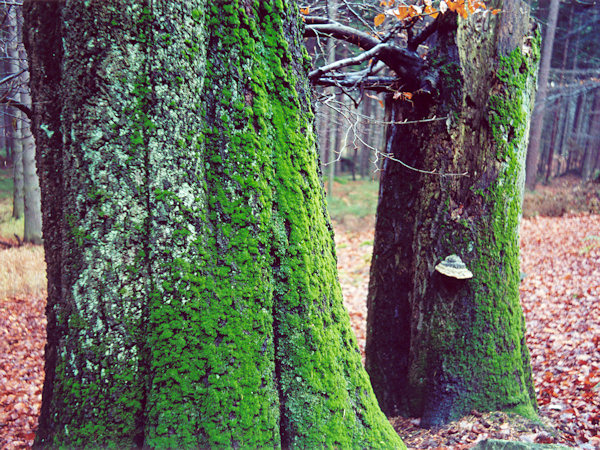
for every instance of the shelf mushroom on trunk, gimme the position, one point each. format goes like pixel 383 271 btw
pixel 454 267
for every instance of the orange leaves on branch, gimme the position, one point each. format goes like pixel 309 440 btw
pixel 465 7
pixel 304 11
pixel 474 6
pixel 402 12
pixel 430 10
pixel 459 7
pixel 406 96
pixel 374 97
pixel 422 8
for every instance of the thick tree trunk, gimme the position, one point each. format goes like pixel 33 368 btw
pixel 193 295
pixel 537 119
pixel 438 347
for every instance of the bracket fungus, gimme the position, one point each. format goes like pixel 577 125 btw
pixel 454 267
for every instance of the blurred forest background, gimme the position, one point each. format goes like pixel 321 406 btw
pixel 351 125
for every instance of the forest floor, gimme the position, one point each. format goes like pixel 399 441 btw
pixel 560 296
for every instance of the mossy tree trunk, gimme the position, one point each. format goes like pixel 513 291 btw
pixel 438 347
pixel 193 298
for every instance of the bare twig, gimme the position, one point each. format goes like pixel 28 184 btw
pixel 16 104
pixel 12 76
pixel 427 172
pixel 317 73
pixel 359 17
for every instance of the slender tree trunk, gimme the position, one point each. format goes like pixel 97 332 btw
pixel 323 133
pixel 578 123
pixel 537 119
pixel 31 184
pixel 591 150
pixel 13 116
pixel 596 165
pixel 381 137
pixel 6 110
pixel 578 154
pixel 8 126
pixel 438 347
pixel 18 196
pixel 553 139
pixel 8 157
pixel 332 11
pixel 568 134
pixel 365 151
pixel 193 296
pixel 567 124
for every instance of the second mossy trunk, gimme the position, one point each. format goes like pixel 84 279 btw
pixel 437 346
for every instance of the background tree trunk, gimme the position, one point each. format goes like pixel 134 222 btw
pixel 332 121
pixel 12 118
pixel 438 347
pixel 593 144
pixel 31 185
pixel 368 137
pixel 5 122
pixel 537 119
pixel 17 159
pixel 193 296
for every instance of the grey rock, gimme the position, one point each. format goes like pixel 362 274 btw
pixel 497 444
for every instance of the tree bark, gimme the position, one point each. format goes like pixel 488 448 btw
pixel 193 296
pixel 537 119
pixel 438 347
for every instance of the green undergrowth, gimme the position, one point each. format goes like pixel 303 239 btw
pixel 8 225
pixel 353 199
pixel 6 184
pixel 562 195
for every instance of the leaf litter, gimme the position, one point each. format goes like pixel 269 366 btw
pixel 560 295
